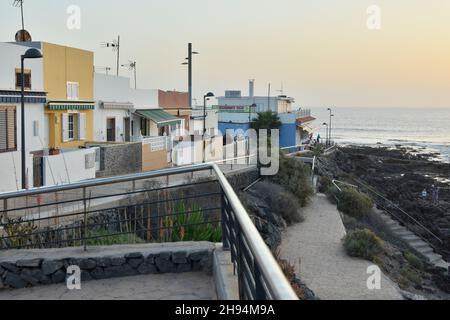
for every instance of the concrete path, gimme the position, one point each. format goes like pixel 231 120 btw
pixel 181 286
pixel 315 247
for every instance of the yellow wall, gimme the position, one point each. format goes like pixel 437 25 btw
pixel 61 65
pixel 55 129
pixel 64 64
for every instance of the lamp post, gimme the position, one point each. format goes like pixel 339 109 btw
pixel 250 113
pixel 326 124
pixel 205 97
pixel 29 54
pixel 331 115
pixel 189 64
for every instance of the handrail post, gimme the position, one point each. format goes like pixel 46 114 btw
pixel 85 221
pixel 225 240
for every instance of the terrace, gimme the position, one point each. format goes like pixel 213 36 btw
pixel 184 220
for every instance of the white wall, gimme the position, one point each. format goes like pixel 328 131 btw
pixel 144 99
pixel 10 60
pixel 68 167
pixel 109 88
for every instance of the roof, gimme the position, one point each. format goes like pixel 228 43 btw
pixel 158 116
pixel 306 119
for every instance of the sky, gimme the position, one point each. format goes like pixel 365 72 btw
pixel 320 51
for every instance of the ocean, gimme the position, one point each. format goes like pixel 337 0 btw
pixel 424 129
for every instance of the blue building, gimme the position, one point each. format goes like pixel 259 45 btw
pixel 237 111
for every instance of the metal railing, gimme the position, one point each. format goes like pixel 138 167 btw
pixel 405 218
pixel 137 206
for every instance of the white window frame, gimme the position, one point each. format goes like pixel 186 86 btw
pixel 71 115
pixel 73 90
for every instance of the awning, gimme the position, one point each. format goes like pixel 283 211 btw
pixel 71 105
pixel 117 105
pixel 158 116
pixel 307 128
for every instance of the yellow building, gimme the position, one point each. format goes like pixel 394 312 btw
pixel 69 82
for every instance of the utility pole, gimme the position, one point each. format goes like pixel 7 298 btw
pixel 118 54
pixel 190 73
pixel 189 64
pixel 115 45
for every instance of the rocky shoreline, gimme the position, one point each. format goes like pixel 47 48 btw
pixel 400 175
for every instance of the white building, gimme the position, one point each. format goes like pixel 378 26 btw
pixel 196 122
pixel 113 121
pixel 41 168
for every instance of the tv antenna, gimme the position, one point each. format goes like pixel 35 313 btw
pixel 131 65
pixel 17 4
pixel 106 69
pixel 115 45
pixel 281 91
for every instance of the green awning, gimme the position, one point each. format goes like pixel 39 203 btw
pixel 71 106
pixel 158 116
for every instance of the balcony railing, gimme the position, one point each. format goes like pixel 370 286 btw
pixel 143 207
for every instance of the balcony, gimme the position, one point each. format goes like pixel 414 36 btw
pixel 179 220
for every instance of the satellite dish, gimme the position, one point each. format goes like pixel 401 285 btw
pixel 23 36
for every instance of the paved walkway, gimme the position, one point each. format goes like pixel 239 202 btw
pixel 182 286
pixel 315 247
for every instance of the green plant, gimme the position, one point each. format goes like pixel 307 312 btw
pixel 411 275
pixel 19 232
pixel 189 225
pixel 414 261
pixel 266 120
pixel 363 243
pixel 106 238
pixel 295 177
pixel 354 203
pixel 318 150
pixel 325 183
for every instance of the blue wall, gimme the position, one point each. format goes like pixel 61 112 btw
pixel 287 131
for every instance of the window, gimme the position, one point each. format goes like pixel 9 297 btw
pixel 8 129
pixel 72 90
pixel 70 126
pixel 73 126
pixel 27 79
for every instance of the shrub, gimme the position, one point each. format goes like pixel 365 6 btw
pixel 105 238
pixel 333 194
pixel 363 243
pixel 325 183
pixel 280 201
pixel 413 260
pixel 411 275
pixel 189 225
pixel 295 177
pixel 354 203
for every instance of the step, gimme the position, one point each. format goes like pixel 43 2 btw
pixel 433 257
pixel 425 251
pixel 417 243
pixel 411 237
pixel 405 233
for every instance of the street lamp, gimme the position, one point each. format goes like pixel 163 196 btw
pixel 250 113
pixel 205 97
pixel 29 54
pixel 326 124
pixel 189 64
pixel 331 115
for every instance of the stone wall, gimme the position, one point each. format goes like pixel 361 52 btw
pixel 119 159
pixel 27 268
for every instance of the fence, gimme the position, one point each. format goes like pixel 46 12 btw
pixel 160 206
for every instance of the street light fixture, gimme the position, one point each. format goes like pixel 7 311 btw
pixel 29 54
pixel 326 124
pixel 329 134
pixel 205 97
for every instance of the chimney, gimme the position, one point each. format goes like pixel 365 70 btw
pixel 251 88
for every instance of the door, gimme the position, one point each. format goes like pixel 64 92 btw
pixel 127 129
pixel 111 130
pixel 38 171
